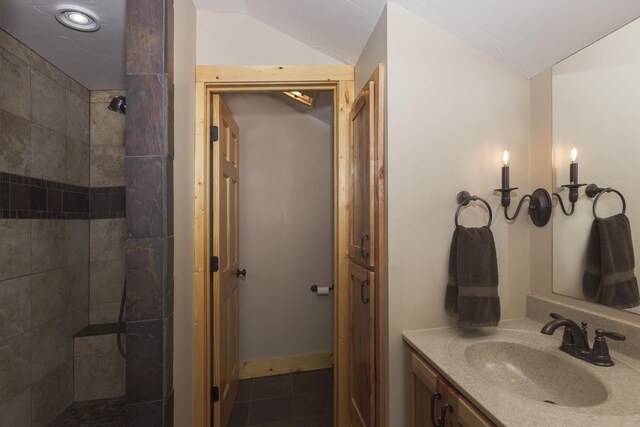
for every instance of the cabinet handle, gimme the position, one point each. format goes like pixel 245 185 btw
pixel 443 414
pixel 434 397
pixel 363 251
pixel 362 297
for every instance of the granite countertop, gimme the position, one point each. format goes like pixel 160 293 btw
pixel 616 404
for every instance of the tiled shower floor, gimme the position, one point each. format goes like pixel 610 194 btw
pixel 302 399
pixel 93 413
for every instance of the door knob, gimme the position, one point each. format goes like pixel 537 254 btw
pixel 242 272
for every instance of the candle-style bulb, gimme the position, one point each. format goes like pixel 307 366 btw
pixel 505 158
pixel 573 167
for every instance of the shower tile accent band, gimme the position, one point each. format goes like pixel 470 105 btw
pixel 23 197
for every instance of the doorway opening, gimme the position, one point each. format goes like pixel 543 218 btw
pixel 212 81
pixel 285 244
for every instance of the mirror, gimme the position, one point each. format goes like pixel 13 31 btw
pixel 596 108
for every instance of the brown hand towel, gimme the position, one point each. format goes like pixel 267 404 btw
pixel 609 278
pixel 472 291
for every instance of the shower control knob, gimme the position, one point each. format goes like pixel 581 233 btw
pixel 242 272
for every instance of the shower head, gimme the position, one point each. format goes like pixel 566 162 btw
pixel 118 104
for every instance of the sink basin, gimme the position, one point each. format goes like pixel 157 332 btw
pixel 535 373
pixel 518 376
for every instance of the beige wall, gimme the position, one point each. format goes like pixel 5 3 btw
pixel 286 232
pixel 238 39
pixel 541 176
pixel 184 125
pixel 374 52
pixel 452 110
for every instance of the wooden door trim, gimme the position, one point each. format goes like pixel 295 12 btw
pixel 340 79
pixel 380 221
pixel 287 74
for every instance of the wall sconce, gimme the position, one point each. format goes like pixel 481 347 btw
pixel 573 187
pixel 539 201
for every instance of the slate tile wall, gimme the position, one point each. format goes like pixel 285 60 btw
pixel 44 233
pixel 149 183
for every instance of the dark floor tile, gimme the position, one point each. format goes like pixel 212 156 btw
pixel 148 414
pixel 311 381
pixel 270 387
pixel 240 414
pixel 244 391
pixel 271 410
pixel 93 413
pixel 330 375
pixel 322 421
pixel 313 404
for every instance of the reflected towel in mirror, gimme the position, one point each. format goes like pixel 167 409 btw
pixel 609 278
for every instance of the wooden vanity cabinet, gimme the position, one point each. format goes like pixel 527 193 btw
pixel 428 393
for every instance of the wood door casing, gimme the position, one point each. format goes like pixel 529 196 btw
pixel 242 78
pixel 225 171
pixel 362 349
pixel 362 238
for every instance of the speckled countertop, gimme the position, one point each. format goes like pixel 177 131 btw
pixel 615 404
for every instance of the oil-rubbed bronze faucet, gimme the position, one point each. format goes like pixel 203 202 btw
pixel 576 343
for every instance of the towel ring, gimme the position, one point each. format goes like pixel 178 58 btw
pixel 464 198
pixel 593 190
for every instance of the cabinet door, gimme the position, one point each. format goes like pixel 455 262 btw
pixel 466 415
pixel 362 346
pixel 362 189
pixel 425 391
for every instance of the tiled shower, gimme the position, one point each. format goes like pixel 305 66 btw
pixel 62 239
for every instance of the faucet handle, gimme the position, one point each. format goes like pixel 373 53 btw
pixel 613 335
pixel 556 316
pixel 600 353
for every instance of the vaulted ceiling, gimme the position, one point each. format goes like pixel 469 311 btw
pixel 528 35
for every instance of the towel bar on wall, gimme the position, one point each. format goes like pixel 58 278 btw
pixel 593 190
pixel 463 198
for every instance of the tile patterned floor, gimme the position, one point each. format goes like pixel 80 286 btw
pixel 93 413
pixel 302 399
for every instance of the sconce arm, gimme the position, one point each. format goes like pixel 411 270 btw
pixel 539 205
pixel 517 212
pixel 561 203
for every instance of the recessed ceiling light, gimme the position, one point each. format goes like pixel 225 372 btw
pixel 77 18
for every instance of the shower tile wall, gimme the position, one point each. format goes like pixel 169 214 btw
pixel 44 263
pixel 107 245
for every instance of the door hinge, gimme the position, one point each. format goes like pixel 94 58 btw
pixel 214 264
pixel 215 394
pixel 213 133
